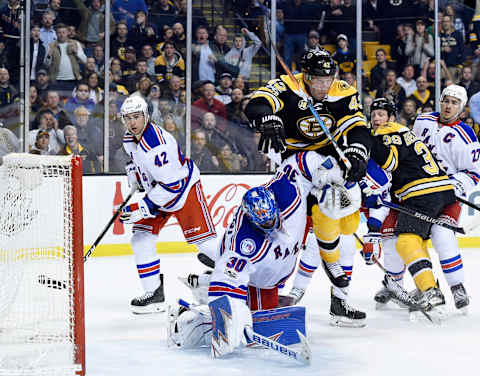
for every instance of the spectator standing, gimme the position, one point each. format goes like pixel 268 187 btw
pixel 42 83
pixel 37 52
pixel 398 48
pixel 240 55
pixel 141 32
pixel 378 72
pixel 64 58
pixel 452 47
pixel 406 80
pixel 125 10
pixel 163 13
pixel 8 94
pixel 458 24
pixel 296 12
pixel 48 34
pixel 419 45
pixel 207 103
pixel 204 63
pixel 119 42
pixel 92 24
pixel 169 63
pixel 80 98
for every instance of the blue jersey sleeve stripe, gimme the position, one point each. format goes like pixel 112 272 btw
pixel 448 261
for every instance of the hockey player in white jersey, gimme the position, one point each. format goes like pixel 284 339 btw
pixel 172 186
pixel 456 147
pixel 259 250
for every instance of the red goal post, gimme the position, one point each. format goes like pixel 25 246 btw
pixel 42 327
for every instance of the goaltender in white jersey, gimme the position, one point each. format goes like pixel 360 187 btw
pixel 456 147
pixel 259 249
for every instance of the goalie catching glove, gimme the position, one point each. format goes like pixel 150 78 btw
pixel 133 177
pixel 272 133
pixel 372 247
pixel 137 211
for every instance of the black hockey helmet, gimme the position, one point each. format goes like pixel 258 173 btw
pixel 383 104
pixel 318 62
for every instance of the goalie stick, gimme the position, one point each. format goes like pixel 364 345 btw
pixel 307 99
pixel 395 288
pixel 419 215
pixel 304 355
pixel 57 284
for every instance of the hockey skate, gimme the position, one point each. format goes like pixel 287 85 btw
pixel 336 274
pixel 382 297
pixel 150 302
pixel 432 302
pixel 460 297
pixel 296 294
pixel 342 314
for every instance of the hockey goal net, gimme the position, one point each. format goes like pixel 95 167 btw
pixel 41 266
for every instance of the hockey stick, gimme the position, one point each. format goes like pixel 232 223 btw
pixel 468 203
pixel 107 227
pixel 303 356
pixel 421 216
pixel 395 288
pixel 57 284
pixel 308 99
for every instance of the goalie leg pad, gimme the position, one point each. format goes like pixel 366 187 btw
pixel 280 324
pixel 229 318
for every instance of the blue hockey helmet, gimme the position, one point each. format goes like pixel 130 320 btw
pixel 261 208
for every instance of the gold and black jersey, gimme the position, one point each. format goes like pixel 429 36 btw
pixel 415 171
pixel 340 111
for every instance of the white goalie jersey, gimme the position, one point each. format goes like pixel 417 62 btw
pixel 455 146
pixel 166 174
pixel 252 258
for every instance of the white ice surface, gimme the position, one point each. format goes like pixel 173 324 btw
pixel 120 343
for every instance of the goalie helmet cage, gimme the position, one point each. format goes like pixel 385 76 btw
pixel 42 329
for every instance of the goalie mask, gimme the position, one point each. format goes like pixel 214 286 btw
pixel 261 209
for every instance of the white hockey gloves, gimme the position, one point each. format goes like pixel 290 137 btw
pixel 189 328
pixel 137 211
pixel 458 187
pixel 372 247
pixel 134 181
pixel 328 173
pixel 229 318
pixel 338 201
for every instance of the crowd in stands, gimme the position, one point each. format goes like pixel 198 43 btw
pixel 148 58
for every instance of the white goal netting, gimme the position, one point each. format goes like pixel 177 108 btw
pixel 37 279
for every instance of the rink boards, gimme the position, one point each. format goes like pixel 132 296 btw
pixel 223 193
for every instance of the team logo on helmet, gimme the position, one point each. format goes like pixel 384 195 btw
pixel 310 128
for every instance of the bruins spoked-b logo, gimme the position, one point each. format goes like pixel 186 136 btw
pixel 309 127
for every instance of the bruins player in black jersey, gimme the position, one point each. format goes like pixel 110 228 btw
pixel 419 183
pixel 280 112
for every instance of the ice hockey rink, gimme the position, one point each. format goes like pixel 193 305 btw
pixel 119 343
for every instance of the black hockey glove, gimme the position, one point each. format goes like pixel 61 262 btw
pixel 272 134
pixel 358 156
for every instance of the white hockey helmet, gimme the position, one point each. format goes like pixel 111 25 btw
pixel 455 91
pixel 132 104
